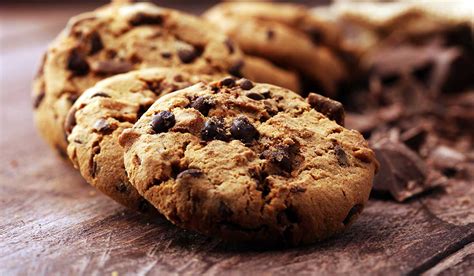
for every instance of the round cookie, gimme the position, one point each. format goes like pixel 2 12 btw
pixel 285 34
pixel 118 38
pixel 99 116
pixel 249 162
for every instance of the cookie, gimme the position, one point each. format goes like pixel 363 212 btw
pixel 254 163
pixel 99 116
pixel 285 34
pixel 116 39
pixel 263 71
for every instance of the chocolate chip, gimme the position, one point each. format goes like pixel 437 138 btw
pixel 92 167
pixel 166 55
pixel 423 73
pixel 95 43
pixel 236 69
pixel 189 55
pixel 111 67
pixel 255 96
pixel 146 19
pixel 270 34
pixel 144 206
pixel 37 99
pixel 355 210
pixel 389 79
pixel 142 109
pixel 190 173
pixel 341 156
pixel 214 129
pixel 203 104
pixel 332 109
pixel 279 156
pixel 288 216
pixel 102 126
pixel 315 35
pixel 70 120
pixel 162 121
pixel 122 187
pixel 77 63
pixel 101 94
pixel 230 45
pixel 243 130
pixel 245 84
pixel 229 82
pixel 297 189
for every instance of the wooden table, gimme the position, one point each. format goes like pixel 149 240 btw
pixel 52 222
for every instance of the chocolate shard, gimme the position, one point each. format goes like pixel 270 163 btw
pixel 330 108
pixel 402 174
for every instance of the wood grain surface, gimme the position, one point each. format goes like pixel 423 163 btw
pixel 52 222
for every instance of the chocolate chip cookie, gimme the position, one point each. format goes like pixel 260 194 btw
pixel 116 39
pixel 288 35
pixel 249 162
pixel 99 116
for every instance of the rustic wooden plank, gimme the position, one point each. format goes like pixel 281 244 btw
pixel 459 263
pixel 53 222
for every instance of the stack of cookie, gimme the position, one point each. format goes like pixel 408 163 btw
pixel 164 113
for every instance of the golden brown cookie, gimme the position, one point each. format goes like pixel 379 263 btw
pixel 99 116
pixel 249 162
pixel 119 38
pixel 288 35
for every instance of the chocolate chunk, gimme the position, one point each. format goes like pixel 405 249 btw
pixel 102 126
pixel 402 172
pixel 236 69
pixel 355 210
pixel 316 35
pixel 245 84
pixel 297 189
pixel 166 55
pixel 162 121
pixel 38 98
pixel 146 19
pixel 390 79
pixel 70 120
pixel 330 108
pixel 423 73
pixel 203 104
pixel 194 173
pixel 288 216
pixel 279 156
pixel 230 45
pixel 243 130
pixel 144 206
pixel 189 55
pixel 100 94
pixel 341 156
pixel 77 63
pixel 214 129
pixel 229 82
pixel 121 187
pixel 270 34
pixel 111 67
pixel 255 96
pixel 96 44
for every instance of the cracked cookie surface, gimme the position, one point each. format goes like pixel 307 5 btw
pixel 249 162
pixel 99 116
pixel 116 39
